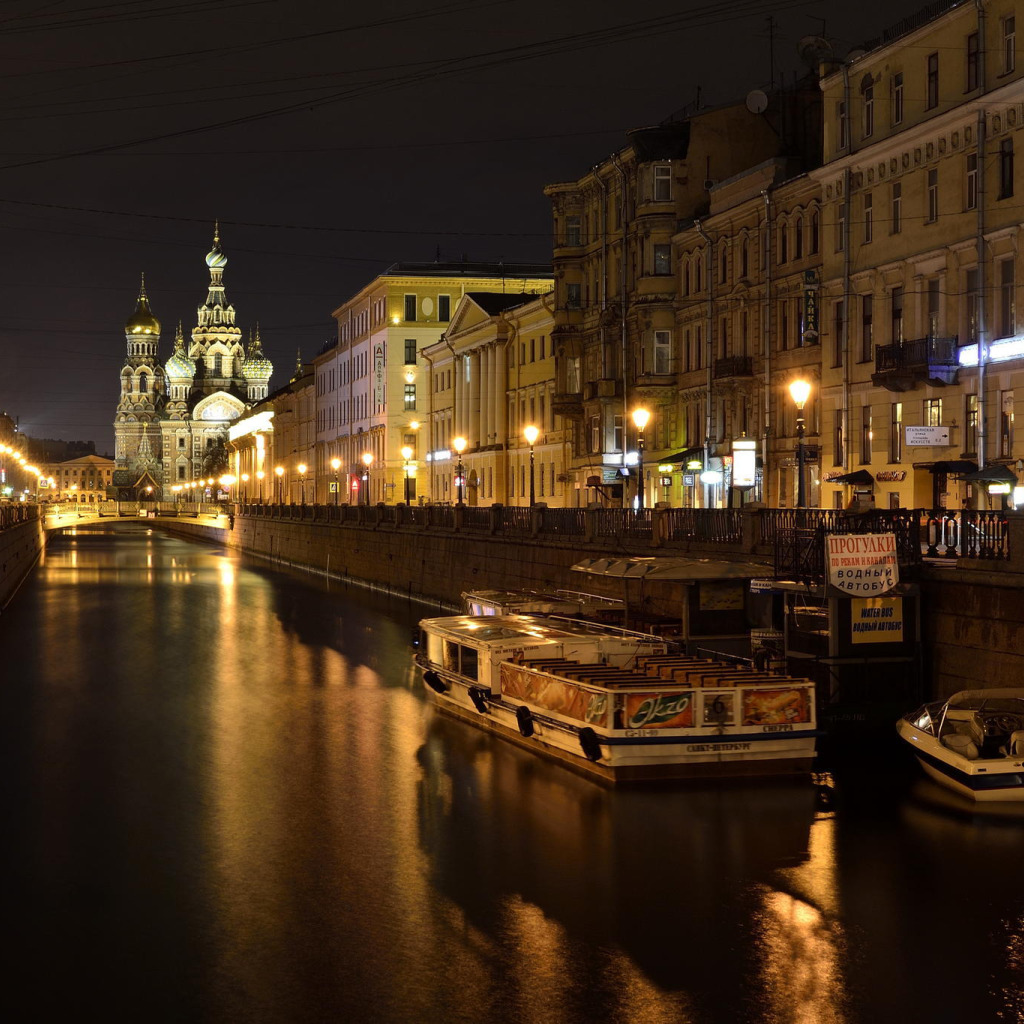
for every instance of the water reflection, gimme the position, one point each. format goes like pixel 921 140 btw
pixel 227 799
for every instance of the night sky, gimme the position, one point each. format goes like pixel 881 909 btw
pixel 330 140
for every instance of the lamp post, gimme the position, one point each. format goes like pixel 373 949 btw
pixel 245 488
pixel 406 456
pixel 641 417
pixel 259 477
pixel 459 444
pixel 800 391
pixel 367 462
pixel 302 483
pixel 531 433
pixel 279 472
pixel 335 465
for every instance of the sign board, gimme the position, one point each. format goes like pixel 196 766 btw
pixel 810 332
pixel 378 375
pixel 876 620
pixel 688 480
pixel 744 466
pixel 924 437
pixel 862 564
pixel 609 476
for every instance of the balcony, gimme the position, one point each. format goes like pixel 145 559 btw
pixel 734 366
pixel 605 387
pixel 905 365
pixel 567 403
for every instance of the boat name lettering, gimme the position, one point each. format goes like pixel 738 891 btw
pixel 659 709
pixel 641 732
pixel 703 748
pixel 777 728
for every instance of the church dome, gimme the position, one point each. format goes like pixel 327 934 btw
pixel 216 258
pixel 256 366
pixel 179 366
pixel 142 320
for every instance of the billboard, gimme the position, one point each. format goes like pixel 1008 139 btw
pixel 862 564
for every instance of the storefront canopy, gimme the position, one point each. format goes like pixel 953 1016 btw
pixel 859 476
pixel 673 570
pixel 951 467
pixel 685 456
pixel 995 474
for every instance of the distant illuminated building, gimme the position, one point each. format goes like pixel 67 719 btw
pixel 172 419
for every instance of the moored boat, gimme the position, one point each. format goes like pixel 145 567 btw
pixel 614 703
pixel 973 743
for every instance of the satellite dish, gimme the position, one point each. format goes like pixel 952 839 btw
pixel 757 101
pixel 813 50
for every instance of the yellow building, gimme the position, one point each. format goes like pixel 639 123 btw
pixel 371 395
pixel 85 480
pixel 620 299
pixel 922 225
pixel 491 377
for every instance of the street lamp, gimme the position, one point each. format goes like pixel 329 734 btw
pixel 459 444
pixel 641 417
pixel 245 488
pixel 335 465
pixel 367 462
pixel 800 391
pixel 406 456
pixel 302 482
pixel 279 472
pixel 259 476
pixel 531 434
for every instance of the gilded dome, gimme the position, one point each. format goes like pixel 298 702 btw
pixel 256 366
pixel 142 320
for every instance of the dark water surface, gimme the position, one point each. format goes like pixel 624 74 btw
pixel 225 798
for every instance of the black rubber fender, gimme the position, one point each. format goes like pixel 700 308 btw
pixel 434 681
pixel 525 719
pixel 589 744
pixel 479 699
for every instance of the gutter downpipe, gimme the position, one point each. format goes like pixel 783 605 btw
pixel 766 331
pixel 430 418
pixel 709 345
pixel 625 253
pixel 847 213
pixel 981 300
pixel 455 432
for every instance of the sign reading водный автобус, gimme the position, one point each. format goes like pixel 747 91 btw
pixel 862 564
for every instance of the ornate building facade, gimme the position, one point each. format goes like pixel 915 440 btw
pixel 172 420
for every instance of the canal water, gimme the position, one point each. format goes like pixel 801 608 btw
pixel 226 797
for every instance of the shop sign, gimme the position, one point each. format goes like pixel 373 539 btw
pixel 744 467
pixel 876 620
pixel 862 564
pixel 609 476
pixel 926 437
pixel 890 476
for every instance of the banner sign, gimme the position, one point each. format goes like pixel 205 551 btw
pixel 876 620
pixel 862 564
pixel 551 694
pixel 810 334
pixel 658 710
pixel 776 707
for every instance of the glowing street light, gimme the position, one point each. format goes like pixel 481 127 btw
pixel 367 463
pixel 406 456
pixel 259 476
pixel 335 465
pixel 800 391
pixel 302 482
pixel 279 472
pixel 531 433
pixel 641 417
pixel 459 444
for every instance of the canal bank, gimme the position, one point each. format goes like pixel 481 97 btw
pixel 21 543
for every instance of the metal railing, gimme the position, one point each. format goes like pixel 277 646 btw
pixel 713 525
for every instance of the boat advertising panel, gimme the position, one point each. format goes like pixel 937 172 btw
pixel 788 706
pixel 558 695
pixel 658 710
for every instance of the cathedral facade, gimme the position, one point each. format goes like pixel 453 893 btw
pixel 172 419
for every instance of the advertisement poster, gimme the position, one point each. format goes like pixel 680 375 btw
pixel 776 707
pixel 862 564
pixel 550 694
pixel 659 710
pixel 876 620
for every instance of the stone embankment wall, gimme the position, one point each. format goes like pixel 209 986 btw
pixel 20 548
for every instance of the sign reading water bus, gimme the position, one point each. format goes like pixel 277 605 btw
pixel 862 564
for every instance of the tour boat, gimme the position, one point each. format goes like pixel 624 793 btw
pixel 614 703
pixel 973 743
pixel 538 602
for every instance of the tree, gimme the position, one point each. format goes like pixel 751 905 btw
pixel 215 460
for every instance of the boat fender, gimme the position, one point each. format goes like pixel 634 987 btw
pixel 589 744
pixel 434 681
pixel 479 699
pixel 525 719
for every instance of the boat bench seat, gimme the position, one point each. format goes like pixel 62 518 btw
pixel 962 745
pixel 1015 744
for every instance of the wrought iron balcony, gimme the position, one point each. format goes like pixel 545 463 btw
pixel 905 364
pixel 734 366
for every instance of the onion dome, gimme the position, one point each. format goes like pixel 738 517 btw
pixel 215 257
pixel 256 366
pixel 179 366
pixel 142 320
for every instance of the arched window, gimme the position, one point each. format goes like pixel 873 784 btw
pixel 698 283
pixel 745 257
pixel 814 232
pixel 143 383
pixel 798 239
pixel 686 275
pixel 783 242
pixel 723 263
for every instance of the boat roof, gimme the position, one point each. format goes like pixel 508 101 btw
pixel 677 570
pixel 524 629
pixel 975 698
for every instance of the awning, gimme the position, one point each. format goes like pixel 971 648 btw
pixel 858 476
pixel 952 467
pixel 673 570
pixel 687 455
pixel 995 474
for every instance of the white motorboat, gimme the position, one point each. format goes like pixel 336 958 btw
pixel 615 703
pixel 972 743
